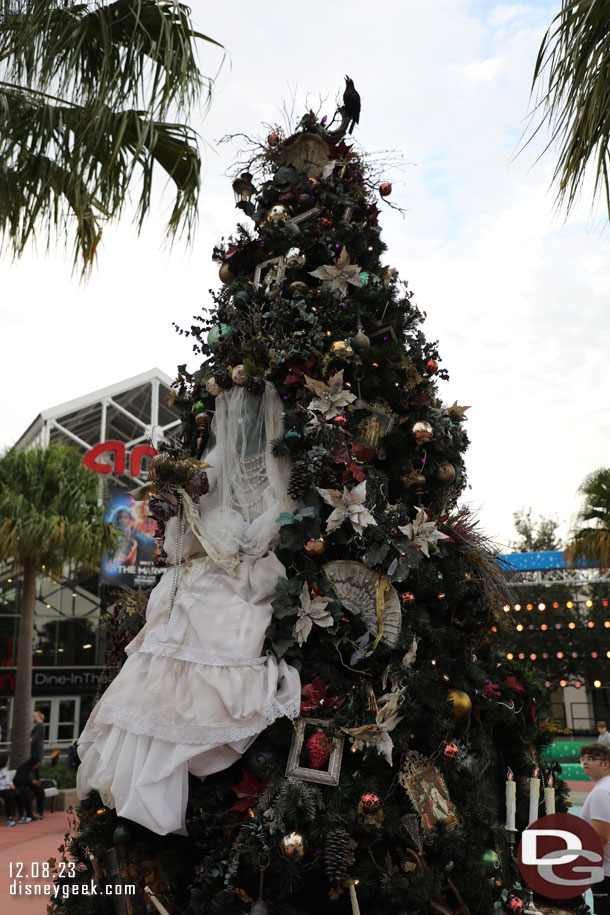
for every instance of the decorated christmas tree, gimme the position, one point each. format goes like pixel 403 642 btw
pixel 317 454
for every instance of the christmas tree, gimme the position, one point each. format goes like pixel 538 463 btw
pixel 388 791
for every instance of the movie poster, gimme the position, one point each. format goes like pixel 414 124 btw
pixel 131 563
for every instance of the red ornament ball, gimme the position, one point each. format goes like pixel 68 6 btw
pixel 385 189
pixel 273 139
pixel 432 366
pixel 340 420
pixel 370 801
pixel 318 750
pixel 516 905
pixel 408 597
pixel 451 751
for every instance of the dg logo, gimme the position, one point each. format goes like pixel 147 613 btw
pixel 560 856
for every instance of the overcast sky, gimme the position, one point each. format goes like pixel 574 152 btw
pixel 516 296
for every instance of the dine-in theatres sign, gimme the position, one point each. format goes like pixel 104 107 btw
pixel 118 458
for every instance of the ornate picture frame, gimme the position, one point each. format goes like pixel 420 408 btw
pixel 294 767
pixel 376 426
pixel 428 793
pixel 278 262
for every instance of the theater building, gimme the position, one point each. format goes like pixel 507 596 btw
pixel 116 430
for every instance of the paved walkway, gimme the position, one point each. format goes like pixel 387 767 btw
pixel 24 853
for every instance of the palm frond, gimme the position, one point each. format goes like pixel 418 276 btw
pixel 86 92
pixel 592 541
pixel 573 72
pixel 64 164
pixel 48 510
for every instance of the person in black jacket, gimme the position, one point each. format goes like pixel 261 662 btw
pixel 29 786
pixel 37 737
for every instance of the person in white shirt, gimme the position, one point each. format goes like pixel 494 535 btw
pixel 9 794
pixel 595 760
pixel 604 736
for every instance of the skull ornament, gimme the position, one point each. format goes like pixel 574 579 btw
pixel 277 213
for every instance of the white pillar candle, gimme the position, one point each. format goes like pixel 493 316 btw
pixel 549 797
pixel 534 797
pixel 353 898
pixel 511 800
pixel 155 901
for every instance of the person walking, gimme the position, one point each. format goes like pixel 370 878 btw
pixel 9 794
pixel 37 735
pixel 595 759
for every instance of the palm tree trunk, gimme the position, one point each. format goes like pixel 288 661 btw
pixel 22 709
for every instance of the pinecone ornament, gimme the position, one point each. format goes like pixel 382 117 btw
pixel 299 481
pixel 318 750
pixel 336 854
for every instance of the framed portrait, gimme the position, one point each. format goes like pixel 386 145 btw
pixel 298 759
pixel 376 425
pixel 428 793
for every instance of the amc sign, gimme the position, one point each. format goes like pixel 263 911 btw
pixel 117 454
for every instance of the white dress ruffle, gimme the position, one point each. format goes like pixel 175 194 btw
pixel 193 694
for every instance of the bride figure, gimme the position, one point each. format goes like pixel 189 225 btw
pixel 195 690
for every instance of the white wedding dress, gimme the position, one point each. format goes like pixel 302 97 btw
pixel 195 690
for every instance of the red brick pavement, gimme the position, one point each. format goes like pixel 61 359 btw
pixel 24 849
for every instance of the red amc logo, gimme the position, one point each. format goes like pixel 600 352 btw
pixel 119 458
pixel 560 856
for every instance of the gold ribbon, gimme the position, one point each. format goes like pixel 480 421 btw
pixel 381 587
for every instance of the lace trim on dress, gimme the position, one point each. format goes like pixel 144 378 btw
pixel 152 645
pixel 207 736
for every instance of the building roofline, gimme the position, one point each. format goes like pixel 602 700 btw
pixel 80 403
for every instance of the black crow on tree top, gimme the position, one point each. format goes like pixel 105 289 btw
pixel 351 103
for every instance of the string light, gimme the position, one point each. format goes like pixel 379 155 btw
pixel 542 606
pixel 571 625
pixel 588 603
pixel 533 657
pixel 560 654
pixel 530 607
pixel 563 683
pixel 517 607
pixel 519 628
pixel 569 605
pixel 597 683
pixel 577 684
pixel 509 656
pixel 544 627
pixel 590 624
pixel 506 608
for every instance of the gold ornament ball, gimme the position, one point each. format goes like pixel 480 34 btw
pixel 385 189
pixel 299 288
pixel 422 431
pixel 445 472
pixel 278 213
pixel 341 348
pixel 225 274
pixel 462 706
pixel 315 546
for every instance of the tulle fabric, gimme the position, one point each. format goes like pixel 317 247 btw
pixel 195 690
